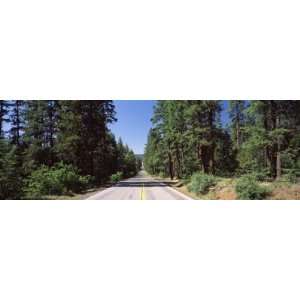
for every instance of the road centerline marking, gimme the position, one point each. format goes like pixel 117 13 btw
pixel 143 193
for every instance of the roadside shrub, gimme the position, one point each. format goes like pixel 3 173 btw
pixel 201 182
pixel 247 188
pixel 115 178
pixel 260 175
pixel 162 174
pixel 186 180
pixel 290 176
pixel 57 180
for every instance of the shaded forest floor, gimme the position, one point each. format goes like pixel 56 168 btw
pixel 225 190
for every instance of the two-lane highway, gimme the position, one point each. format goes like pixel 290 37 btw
pixel 140 187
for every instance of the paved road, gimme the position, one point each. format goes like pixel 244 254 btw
pixel 140 187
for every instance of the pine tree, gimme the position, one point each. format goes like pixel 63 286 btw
pixel 163 120
pixel 186 132
pixel 34 135
pixel 155 159
pixel 70 143
pixel 17 122
pixel 83 135
pixel 10 182
pixel 237 115
pixel 51 129
pixel 96 115
pixel 40 133
pixel 203 118
pixel 269 135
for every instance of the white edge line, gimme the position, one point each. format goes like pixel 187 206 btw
pixel 172 189
pixel 97 194
pixel 179 193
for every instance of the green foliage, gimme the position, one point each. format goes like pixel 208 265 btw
pixel 290 176
pixel 184 138
pixel 186 180
pixel 161 174
pixel 10 180
pixel 200 183
pixel 115 178
pixel 271 137
pixel 237 109
pixel 262 139
pixel 54 142
pixel 225 155
pixel 247 188
pixel 139 161
pixel 56 180
pixel 84 139
pixel 262 175
pixel 17 122
pixel 127 163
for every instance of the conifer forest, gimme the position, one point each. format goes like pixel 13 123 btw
pixel 56 147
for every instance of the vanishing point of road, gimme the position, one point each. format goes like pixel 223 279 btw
pixel 140 187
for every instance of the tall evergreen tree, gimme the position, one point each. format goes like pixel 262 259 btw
pixel 17 122
pixel 237 115
pixel 155 160
pixel 40 132
pixel 10 182
pixel 270 135
pixel 34 135
pixel 187 131
pixel 202 118
pixel 84 133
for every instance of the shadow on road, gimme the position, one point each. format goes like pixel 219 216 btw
pixel 140 184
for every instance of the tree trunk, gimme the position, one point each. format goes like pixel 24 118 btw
pixel 238 133
pixel 212 142
pixel 270 113
pixel 170 166
pixel 18 122
pixel 182 158
pixel 91 171
pixel 178 171
pixel 212 160
pixel 278 155
pixel 204 158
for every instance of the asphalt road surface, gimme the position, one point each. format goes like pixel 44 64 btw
pixel 140 187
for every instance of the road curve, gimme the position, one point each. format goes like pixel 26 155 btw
pixel 140 187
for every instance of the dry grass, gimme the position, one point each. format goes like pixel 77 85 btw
pixel 225 190
pixel 285 192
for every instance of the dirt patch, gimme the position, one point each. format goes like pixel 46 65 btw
pixel 291 192
pixel 226 193
pixel 224 190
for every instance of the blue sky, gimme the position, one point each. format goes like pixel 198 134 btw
pixel 134 122
pixel 224 113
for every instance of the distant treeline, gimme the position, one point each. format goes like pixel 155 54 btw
pixel 262 137
pixel 62 143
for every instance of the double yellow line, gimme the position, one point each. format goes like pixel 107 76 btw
pixel 143 192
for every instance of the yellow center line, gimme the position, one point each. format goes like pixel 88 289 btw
pixel 143 193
